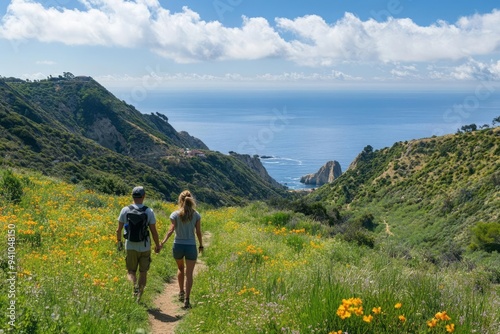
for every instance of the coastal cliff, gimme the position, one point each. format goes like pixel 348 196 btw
pixel 326 174
pixel 75 129
pixel 254 163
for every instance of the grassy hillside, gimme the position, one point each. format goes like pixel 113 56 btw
pixel 268 272
pixel 427 194
pixel 73 128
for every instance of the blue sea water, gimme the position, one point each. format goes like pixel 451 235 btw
pixel 302 130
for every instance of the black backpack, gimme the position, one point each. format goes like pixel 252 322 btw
pixel 136 228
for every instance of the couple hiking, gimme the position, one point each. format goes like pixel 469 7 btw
pixel 137 220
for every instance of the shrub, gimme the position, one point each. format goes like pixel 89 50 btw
pixel 486 236
pixel 278 219
pixel 11 187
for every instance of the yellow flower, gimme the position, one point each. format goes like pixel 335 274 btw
pixel 343 312
pixel 359 311
pixel 402 318
pixel 450 328
pixel 398 306
pixel 442 316
pixel 432 323
pixel 368 318
pixel 377 310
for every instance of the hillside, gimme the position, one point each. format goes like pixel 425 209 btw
pixel 265 271
pixel 426 194
pixel 72 127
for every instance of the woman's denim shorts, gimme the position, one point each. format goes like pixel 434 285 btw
pixel 189 252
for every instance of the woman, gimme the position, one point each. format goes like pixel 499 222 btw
pixel 185 222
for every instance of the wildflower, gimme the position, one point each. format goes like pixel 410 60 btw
pixel 377 310
pixel 343 312
pixel 402 318
pixel 442 316
pixel 432 323
pixel 368 318
pixel 450 328
pixel 398 306
pixel 359 311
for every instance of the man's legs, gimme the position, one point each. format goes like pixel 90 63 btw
pixel 144 263
pixel 131 276
pixel 132 262
pixel 143 276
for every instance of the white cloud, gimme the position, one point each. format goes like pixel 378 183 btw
pixel 395 40
pixel 184 37
pixel 45 62
pixel 474 70
pixel 157 79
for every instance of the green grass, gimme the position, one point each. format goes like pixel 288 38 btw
pixel 260 280
pixel 267 272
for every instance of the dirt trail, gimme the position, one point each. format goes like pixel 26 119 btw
pixel 167 311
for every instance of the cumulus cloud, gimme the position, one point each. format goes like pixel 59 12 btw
pixel 395 40
pixel 475 70
pixel 185 37
pixel 45 62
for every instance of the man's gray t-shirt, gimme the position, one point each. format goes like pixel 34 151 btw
pixel 184 232
pixel 137 246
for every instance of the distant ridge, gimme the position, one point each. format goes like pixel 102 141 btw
pixel 72 127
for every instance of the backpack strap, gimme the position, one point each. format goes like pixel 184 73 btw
pixel 143 209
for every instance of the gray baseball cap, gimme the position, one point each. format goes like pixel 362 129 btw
pixel 138 192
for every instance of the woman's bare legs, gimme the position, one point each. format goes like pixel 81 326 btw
pixel 180 274
pixel 189 276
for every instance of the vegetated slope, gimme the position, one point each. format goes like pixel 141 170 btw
pixel 74 128
pixel 425 193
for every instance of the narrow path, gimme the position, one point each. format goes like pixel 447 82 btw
pixel 167 311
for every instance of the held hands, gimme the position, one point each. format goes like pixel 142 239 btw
pixel 158 248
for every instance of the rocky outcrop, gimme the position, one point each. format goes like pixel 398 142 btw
pixel 254 163
pixel 326 174
pixel 192 142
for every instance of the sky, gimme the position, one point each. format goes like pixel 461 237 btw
pixel 253 43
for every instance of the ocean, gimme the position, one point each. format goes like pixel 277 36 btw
pixel 297 131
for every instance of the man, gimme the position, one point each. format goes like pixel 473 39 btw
pixel 138 252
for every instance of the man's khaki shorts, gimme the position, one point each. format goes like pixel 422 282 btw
pixel 136 259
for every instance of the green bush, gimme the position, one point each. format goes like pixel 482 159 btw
pixel 486 236
pixel 11 188
pixel 277 219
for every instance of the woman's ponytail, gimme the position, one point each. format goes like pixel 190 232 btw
pixel 187 206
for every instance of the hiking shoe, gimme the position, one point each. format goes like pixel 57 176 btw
pixel 182 295
pixel 136 291
pixel 187 305
pixel 139 295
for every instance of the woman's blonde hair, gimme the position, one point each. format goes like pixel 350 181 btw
pixel 187 206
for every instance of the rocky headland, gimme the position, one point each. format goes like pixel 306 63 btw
pixel 326 174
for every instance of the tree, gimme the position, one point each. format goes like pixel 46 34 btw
pixel 469 128
pixel 68 75
pixel 496 120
